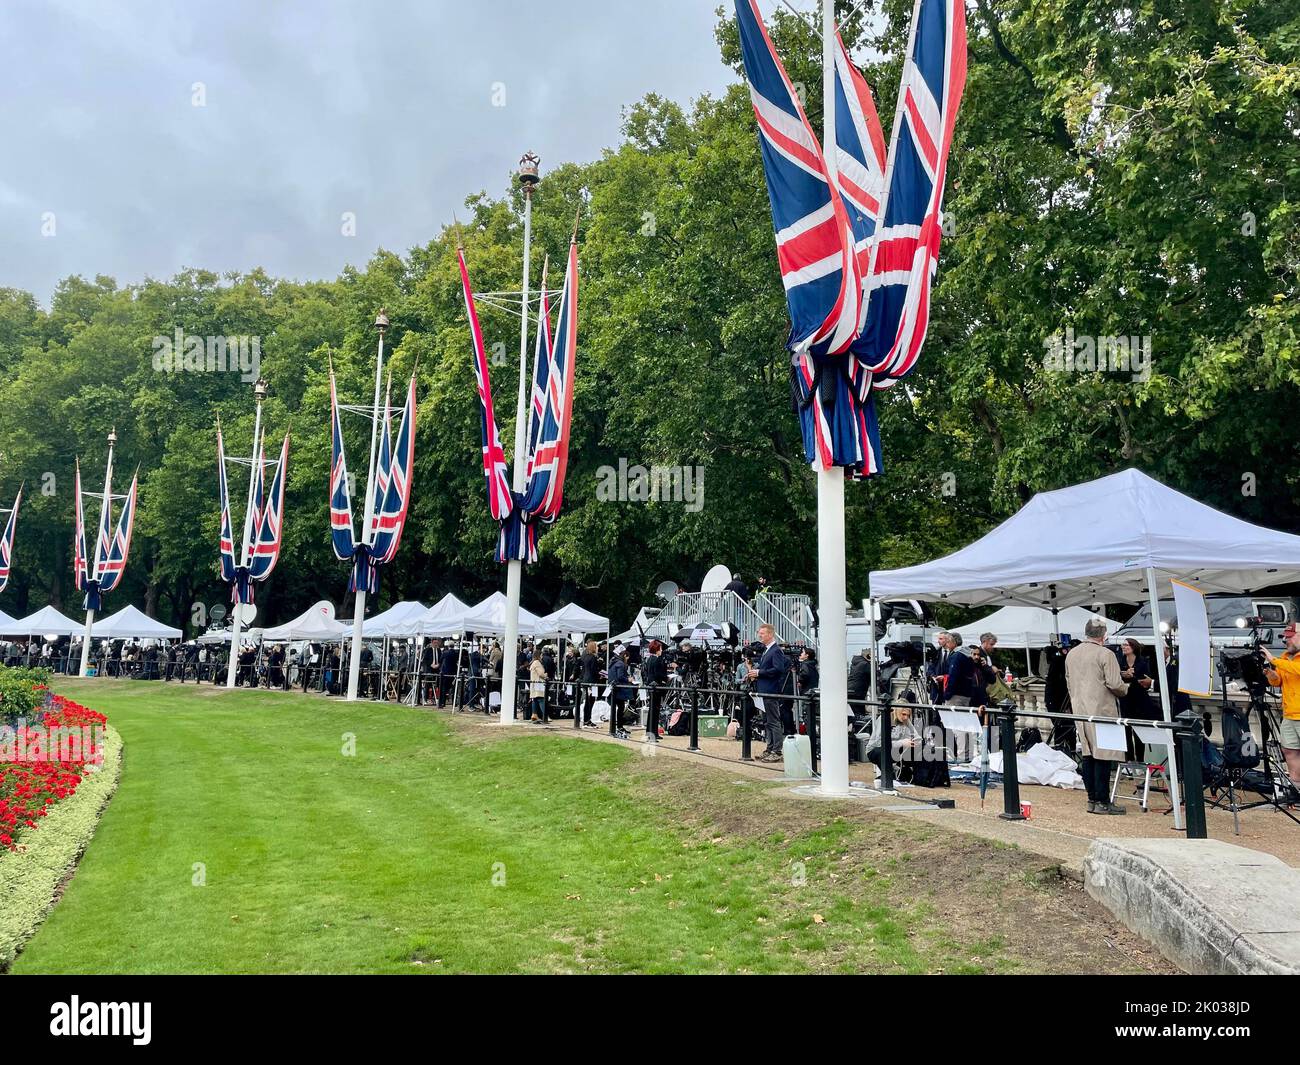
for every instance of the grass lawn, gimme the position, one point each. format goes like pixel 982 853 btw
pixel 242 839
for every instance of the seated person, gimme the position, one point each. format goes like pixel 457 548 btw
pixel 911 766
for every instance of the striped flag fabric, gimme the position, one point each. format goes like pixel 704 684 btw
pixel 113 565
pixel 341 532
pixel 500 500
pixel 814 239
pixel 905 253
pixel 226 543
pixel 80 565
pixel 397 460
pixel 7 541
pixel 548 453
pixel 268 533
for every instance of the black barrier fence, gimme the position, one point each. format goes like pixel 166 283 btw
pixel 673 709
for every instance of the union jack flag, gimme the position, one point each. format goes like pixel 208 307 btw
pixel 226 545
pixel 80 566
pixel 905 254
pixel 7 541
pixel 548 451
pixel 500 501
pixel 814 239
pixel 341 534
pixel 268 528
pixel 879 193
pixel 113 546
pixel 393 475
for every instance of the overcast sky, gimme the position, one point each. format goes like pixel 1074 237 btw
pixel 312 108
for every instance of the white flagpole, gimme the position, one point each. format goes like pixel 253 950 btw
pixel 831 636
pixel 105 512
pixel 514 567
pixel 259 390
pixel 359 617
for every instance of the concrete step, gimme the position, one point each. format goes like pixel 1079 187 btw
pixel 1209 906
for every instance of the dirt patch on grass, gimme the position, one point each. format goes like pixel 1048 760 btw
pixel 967 903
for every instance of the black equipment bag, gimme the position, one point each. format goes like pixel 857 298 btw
pixel 1240 749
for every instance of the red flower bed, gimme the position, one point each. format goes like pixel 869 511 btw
pixel 31 785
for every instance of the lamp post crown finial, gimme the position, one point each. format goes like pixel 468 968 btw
pixel 530 171
pixel 381 320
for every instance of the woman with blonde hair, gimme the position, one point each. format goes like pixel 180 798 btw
pixel 537 688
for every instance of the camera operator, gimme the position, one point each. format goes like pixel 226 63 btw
pixel 859 682
pixel 1283 671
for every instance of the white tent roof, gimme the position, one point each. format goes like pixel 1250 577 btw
pixel 6 620
pixel 1031 626
pixel 643 620
pixel 1093 542
pixel 130 623
pixel 441 619
pixel 45 620
pixel 317 624
pixel 387 623
pixel 488 618
pixel 572 618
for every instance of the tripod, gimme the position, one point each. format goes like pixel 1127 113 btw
pixel 1278 787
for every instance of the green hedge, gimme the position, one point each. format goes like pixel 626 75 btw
pixel 29 878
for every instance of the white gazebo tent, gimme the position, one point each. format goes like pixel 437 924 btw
pixel 488 618
pixel 390 621
pixel 1118 539
pixel 441 619
pixel 573 619
pixel 1027 627
pixel 130 623
pixel 47 620
pixel 6 620
pixel 316 625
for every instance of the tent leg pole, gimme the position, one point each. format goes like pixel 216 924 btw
pixel 1158 648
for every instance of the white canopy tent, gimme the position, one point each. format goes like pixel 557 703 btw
pixel 1093 543
pixel 488 618
pixel 1118 539
pixel 1030 626
pixel 390 621
pixel 45 621
pixel 441 619
pixel 573 618
pixel 130 623
pixel 316 625
pixel 6 620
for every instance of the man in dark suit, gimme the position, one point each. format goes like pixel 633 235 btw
pixel 654 675
pixel 770 674
pixel 447 666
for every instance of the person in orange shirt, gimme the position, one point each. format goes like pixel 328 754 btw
pixel 1283 671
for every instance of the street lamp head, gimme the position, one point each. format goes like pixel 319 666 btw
pixel 529 171
pixel 112 436
pixel 260 389
pixel 381 321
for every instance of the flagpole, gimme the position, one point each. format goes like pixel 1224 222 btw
pixel 359 617
pixel 105 512
pixel 831 636
pixel 514 567
pixel 259 390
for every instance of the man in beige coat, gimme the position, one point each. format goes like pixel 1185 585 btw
pixel 1092 674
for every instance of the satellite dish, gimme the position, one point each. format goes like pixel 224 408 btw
pixel 218 612
pixel 716 580
pixel 325 609
pixel 667 590
pixel 246 611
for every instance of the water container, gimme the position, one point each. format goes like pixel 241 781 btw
pixel 797 752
